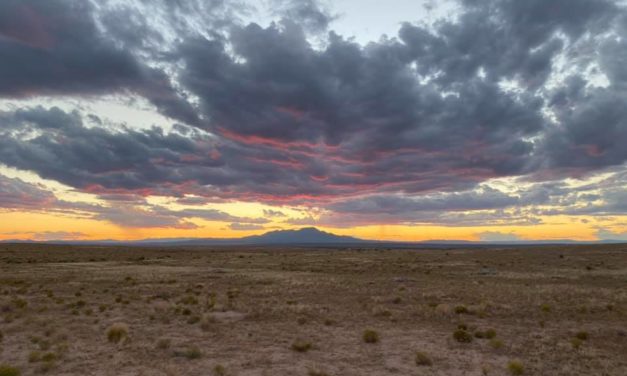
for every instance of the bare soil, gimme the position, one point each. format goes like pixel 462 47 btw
pixel 262 311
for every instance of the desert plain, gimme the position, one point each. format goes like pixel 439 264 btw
pixel 87 310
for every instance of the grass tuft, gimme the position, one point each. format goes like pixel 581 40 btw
pixel 515 368
pixel 193 352
pixel 370 336
pixel 301 346
pixel 462 336
pixel 219 370
pixel 422 359
pixel 117 332
pixel 6 370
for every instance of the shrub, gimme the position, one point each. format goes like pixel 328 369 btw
pixel 490 333
pixel 20 303
pixel 576 343
pixel 460 309
pixel 462 336
pixel 370 336
pixel 515 367
pixel 34 356
pixel 582 336
pixel 219 370
pixel 301 346
pixel 117 332
pixel 164 343
pixel 189 300
pixel 49 357
pixel 496 343
pixel 193 352
pixel 6 370
pixel 423 359
pixel 545 308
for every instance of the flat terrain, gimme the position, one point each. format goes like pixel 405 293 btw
pixel 259 311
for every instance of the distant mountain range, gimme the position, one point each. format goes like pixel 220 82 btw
pixel 303 236
pixel 308 235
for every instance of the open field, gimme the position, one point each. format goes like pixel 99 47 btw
pixel 246 311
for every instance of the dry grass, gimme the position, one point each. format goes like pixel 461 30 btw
pixel 117 332
pixel 6 370
pixel 370 336
pixel 186 311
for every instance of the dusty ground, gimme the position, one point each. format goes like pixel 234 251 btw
pixel 239 311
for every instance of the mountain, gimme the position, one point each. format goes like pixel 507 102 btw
pixel 307 235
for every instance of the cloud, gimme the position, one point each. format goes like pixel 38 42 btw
pixel 273 213
pixel 57 235
pixel 311 14
pixel 17 194
pixel 408 129
pixel 54 47
pixel 245 227
pixel 495 236
pixel 606 234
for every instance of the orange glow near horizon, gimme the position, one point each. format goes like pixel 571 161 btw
pixel 52 226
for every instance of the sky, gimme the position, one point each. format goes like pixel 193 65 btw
pixel 399 120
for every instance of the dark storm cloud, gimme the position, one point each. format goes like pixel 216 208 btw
pixel 65 150
pixel 504 89
pixel 16 194
pixel 480 200
pixel 360 110
pixel 53 47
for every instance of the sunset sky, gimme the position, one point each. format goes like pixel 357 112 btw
pixel 399 120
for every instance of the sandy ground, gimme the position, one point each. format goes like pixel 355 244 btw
pixel 245 311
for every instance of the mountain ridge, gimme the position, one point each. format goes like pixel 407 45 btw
pixel 302 236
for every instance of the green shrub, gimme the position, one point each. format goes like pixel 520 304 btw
pixel 34 356
pixel 370 336
pixel 490 333
pixel 49 357
pixel 164 343
pixel 301 346
pixel 117 332
pixel 496 343
pixel 6 370
pixel 193 352
pixel 576 343
pixel 462 336
pixel 219 370
pixel 20 303
pixel 423 359
pixel 515 368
